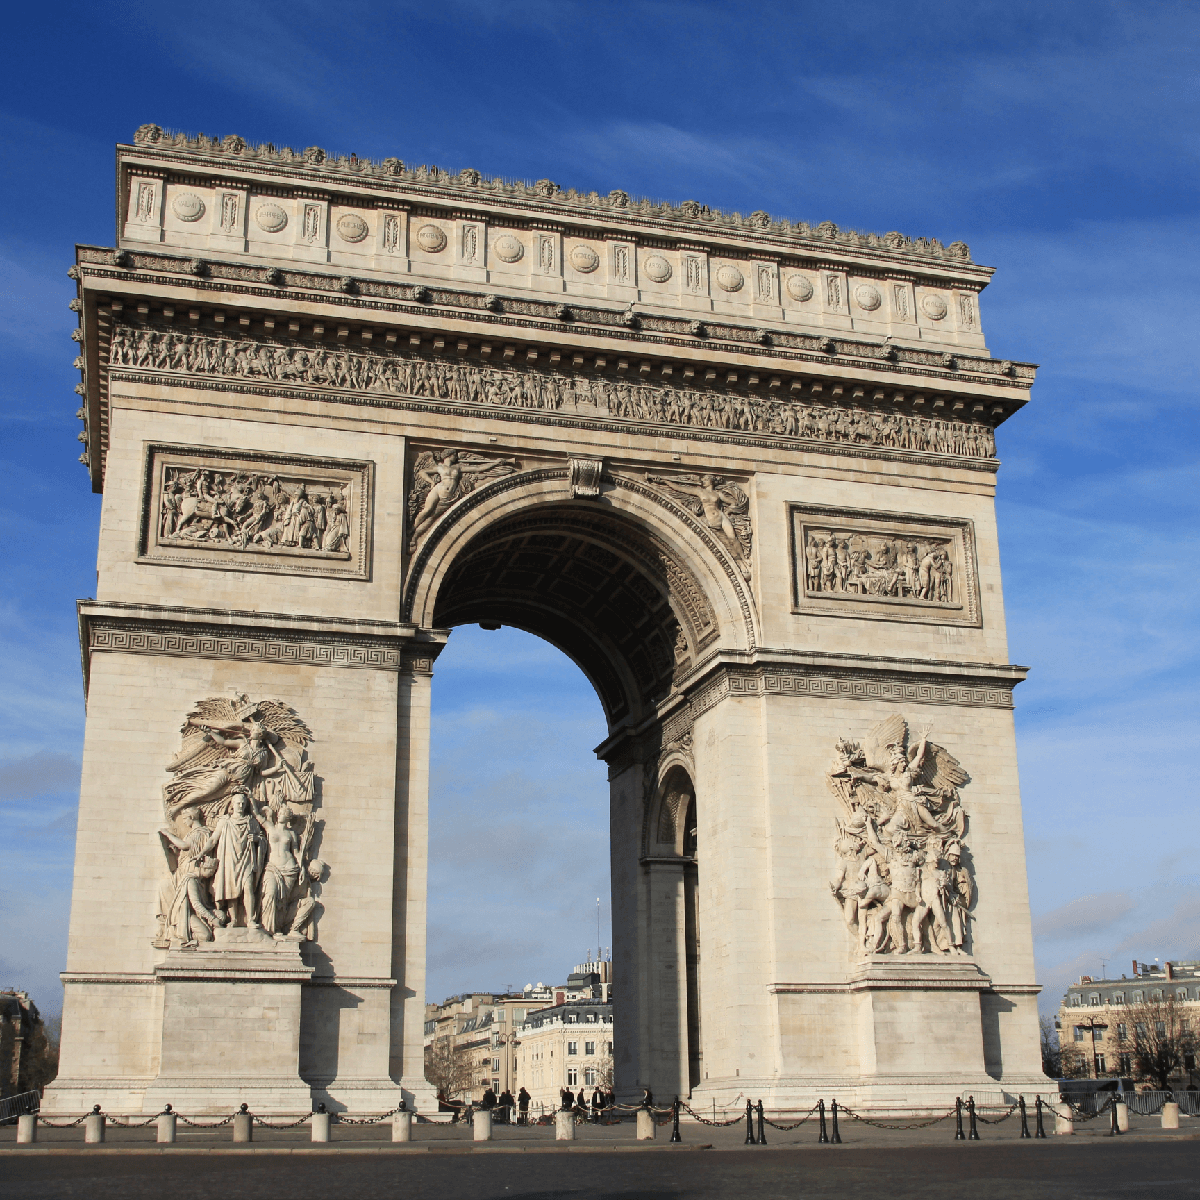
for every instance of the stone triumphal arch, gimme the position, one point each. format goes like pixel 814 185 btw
pixel 740 470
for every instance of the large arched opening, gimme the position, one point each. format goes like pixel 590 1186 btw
pixel 602 580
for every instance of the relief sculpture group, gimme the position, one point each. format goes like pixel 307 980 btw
pixel 902 881
pixel 240 829
pixel 852 563
pixel 235 510
pixel 530 387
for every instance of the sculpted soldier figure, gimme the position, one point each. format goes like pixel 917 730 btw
pixel 959 893
pixel 239 862
pixel 183 913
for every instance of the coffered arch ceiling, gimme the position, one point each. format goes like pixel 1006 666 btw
pixel 595 584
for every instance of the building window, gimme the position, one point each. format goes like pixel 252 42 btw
pixel 1156 995
pixel 1094 999
pixel 1140 1030
pixel 1076 1001
pixel 589 1047
pixel 608 1047
pixel 1160 1028
pixel 1139 997
pixel 1100 1067
pixel 1189 1062
pixel 1181 994
pixel 1097 1035
pixel 1125 1064
pixel 1118 998
pixel 495 1064
pixel 572 1077
pixel 1122 1032
pixel 518 1014
pixel 589 1076
pixel 1079 1033
pixel 572 1047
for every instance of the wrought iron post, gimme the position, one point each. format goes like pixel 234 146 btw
pixel 749 1124
pixel 762 1133
pixel 1041 1132
pixel 959 1136
pixel 973 1136
pixel 824 1138
pixel 834 1137
pixel 1024 1117
pixel 1114 1128
pixel 675 1121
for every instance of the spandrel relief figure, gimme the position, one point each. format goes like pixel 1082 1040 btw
pixel 899 880
pixel 241 830
pixel 442 478
pixel 721 505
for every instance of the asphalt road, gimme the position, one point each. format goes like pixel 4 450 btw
pixel 1095 1168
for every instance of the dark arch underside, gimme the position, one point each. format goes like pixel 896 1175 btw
pixel 595 585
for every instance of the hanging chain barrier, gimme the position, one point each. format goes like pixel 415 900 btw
pixel 342 1119
pixel 795 1124
pixel 705 1120
pixel 280 1124
pixel 849 1112
pixel 1081 1114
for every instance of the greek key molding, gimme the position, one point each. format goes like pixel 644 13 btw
pixel 107 631
pixel 890 685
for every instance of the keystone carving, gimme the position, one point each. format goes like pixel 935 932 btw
pixel 901 880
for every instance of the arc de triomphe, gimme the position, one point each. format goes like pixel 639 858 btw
pixel 740 470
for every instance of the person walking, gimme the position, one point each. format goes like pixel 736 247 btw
pixel 505 1104
pixel 523 1098
pixel 597 1105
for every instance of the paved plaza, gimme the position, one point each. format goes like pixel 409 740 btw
pixel 605 1163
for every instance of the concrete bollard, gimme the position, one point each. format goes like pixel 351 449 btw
pixel 321 1125
pixel 1170 1115
pixel 166 1128
pixel 645 1125
pixel 93 1126
pixel 402 1126
pixel 1122 1116
pixel 482 1124
pixel 26 1128
pixel 243 1126
pixel 1063 1121
pixel 564 1125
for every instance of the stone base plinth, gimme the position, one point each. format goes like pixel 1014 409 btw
pixel 231 1027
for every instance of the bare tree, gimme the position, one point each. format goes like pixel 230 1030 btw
pixel 1157 1036
pixel 448 1068
pixel 604 1073
pixel 1052 1053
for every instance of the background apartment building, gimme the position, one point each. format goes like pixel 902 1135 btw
pixel 569 1045
pixel 1093 1024
pixel 483 1030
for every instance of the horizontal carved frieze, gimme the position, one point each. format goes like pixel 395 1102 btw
pixel 250 510
pixel 532 389
pixel 895 567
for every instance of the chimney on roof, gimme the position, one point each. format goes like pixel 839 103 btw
pixel 1170 970
pixel 1135 970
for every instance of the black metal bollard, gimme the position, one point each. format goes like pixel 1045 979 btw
pixel 824 1138
pixel 835 1138
pixel 1114 1129
pixel 1041 1132
pixel 973 1136
pixel 1024 1117
pixel 749 1124
pixel 959 1136
pixel 762 1133
pixel 675 1121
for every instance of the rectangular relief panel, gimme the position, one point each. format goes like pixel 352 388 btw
pixel 885 566
pixel 247 510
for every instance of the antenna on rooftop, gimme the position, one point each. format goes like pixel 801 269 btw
pixel 597 929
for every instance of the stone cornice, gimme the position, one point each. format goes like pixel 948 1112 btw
pixel 769 672
pixel 253 637
pixel 490 315
pixel 156 150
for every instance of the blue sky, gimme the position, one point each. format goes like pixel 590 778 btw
pixel 1058 140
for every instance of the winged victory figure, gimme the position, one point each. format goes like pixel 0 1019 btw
pixel 721 505
pixel 442 478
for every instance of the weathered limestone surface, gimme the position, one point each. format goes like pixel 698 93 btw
pixel 741 470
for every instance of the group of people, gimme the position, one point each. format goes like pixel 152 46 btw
pixel 583 1106
pixel 405 373
pixel 878 566
pixel 251 511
